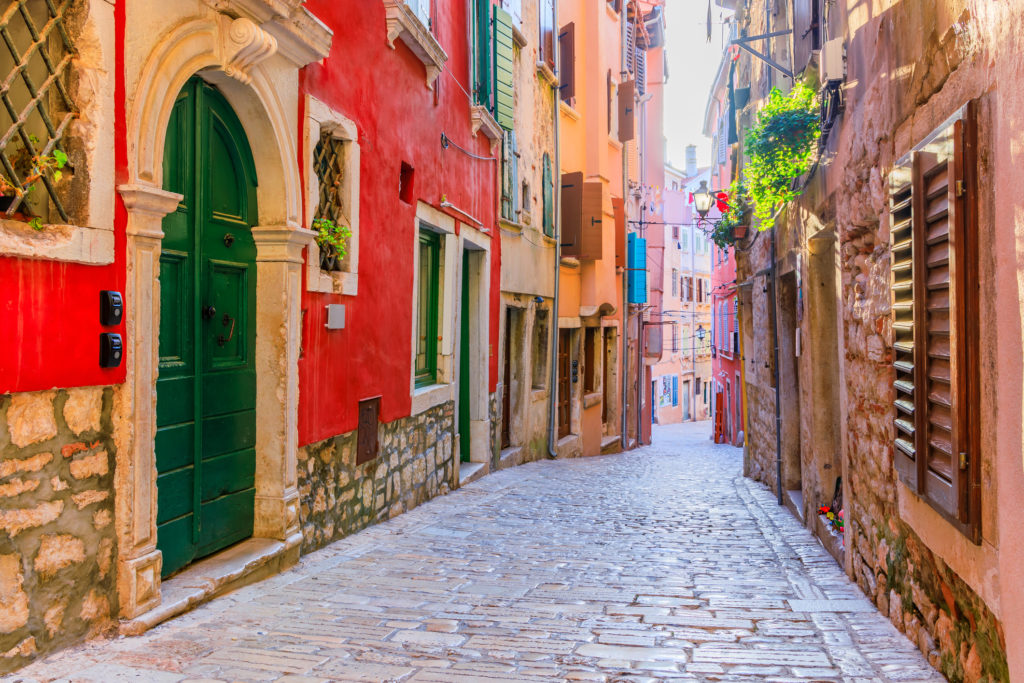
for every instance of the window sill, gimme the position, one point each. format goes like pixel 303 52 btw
pixel 592 399
pixel 403 24
pixel 570 262
pixel 546 74
pixel 538 394
pixel 67 243
pixel 611 12
pixel 334 282
pixel 431 396
pixel 518 37
pixel 569 111
pixel 614 144
pixel 481 120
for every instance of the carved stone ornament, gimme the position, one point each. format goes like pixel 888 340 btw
pixel 244 45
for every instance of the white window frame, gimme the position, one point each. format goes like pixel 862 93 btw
pixel 320 119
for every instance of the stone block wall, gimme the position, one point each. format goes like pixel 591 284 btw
pixel 57 540
pixel 338 497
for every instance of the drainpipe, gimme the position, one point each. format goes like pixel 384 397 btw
pixel 778 406
pixel 624 355
pixel 557 197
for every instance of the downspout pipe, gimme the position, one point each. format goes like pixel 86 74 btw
pixel 557 196
pixel 624 355
pixel 778 405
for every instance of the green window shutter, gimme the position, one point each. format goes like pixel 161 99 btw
pixel 548 198
pixel 482 54
pixel 428 313
pixel 503 86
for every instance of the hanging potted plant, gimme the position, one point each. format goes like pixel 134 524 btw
pixel 735 220
pixel 332 239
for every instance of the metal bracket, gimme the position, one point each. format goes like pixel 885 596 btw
pixel 744 44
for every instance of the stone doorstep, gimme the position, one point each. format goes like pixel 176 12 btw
pixel 471 471
pixel 611 444
pixel 794 502
pixel 509 455
pixel 244 563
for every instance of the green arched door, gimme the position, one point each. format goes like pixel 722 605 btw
pixel 206 391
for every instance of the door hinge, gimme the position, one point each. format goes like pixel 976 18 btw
pixel 963 461
pixel 960 190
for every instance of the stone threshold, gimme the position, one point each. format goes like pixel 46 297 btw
pixel 508 457
pixel 794 501
pixel 244 563
pixel 611 444
pixel 471 471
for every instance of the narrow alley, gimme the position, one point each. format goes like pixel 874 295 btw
pixel 662 563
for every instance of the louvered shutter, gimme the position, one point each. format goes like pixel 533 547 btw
pixel 482 54
pixel 567 62
pixel 630 47
pixel 504 98
pixel 902 281
pixel 547 194
pixel 641 71
pixel 934 309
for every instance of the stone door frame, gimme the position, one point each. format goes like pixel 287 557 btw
pixel 233 54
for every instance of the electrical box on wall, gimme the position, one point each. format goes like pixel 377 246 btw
pixel 833 61
pixel 335 317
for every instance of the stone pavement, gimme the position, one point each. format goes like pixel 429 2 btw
pixel 660 564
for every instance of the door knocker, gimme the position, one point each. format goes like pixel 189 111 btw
pixel 221 339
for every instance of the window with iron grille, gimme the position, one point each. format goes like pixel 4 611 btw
pixel 37 109
pixel 329 165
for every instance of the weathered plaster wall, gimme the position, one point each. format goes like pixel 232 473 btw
pixel 57 545
pixel 338 497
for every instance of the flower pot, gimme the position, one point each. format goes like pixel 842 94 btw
pixel 328 257
pixel 740 231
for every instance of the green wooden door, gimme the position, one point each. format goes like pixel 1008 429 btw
pixel 206 391
pixel 464 394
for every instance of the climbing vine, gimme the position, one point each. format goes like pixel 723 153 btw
pixel 781 148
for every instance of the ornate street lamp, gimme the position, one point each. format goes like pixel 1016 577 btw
pixel 703 200
pixel 701 332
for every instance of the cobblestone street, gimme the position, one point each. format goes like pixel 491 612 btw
pixel 660 564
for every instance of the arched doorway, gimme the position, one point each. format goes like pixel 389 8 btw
pixel 206 388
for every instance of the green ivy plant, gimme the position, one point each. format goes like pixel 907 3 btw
pixel 331 234
pixel 781 148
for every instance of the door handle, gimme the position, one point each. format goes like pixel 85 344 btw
pixel 221 339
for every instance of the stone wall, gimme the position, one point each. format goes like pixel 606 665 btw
pixel 338 497
pixel 57 541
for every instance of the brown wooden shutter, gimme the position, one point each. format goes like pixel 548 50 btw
pixel 619 211
pixel 627 103
pixel 935 322
pixel 567 62
pixel 802 34
pixel 572 213
pixel 903 291
pixel 592 244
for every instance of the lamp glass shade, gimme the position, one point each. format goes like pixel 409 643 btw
pixel 700 333
pixel 703 200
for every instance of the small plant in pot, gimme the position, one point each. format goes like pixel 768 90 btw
pixel 332 239
pixel 34 169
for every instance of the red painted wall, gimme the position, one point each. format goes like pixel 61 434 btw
pixel 50 311
pixel 399 120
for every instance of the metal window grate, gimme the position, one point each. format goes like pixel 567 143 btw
pixel 37 107
pixel 329 165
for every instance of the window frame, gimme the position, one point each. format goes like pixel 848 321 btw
pixel 433 241
pixel 321 119
pixel 953 144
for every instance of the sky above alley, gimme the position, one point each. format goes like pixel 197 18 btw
pixel 692 63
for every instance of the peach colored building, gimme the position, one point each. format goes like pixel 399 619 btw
pixel 609 63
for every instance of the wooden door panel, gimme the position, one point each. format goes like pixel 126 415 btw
pixel 207 387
